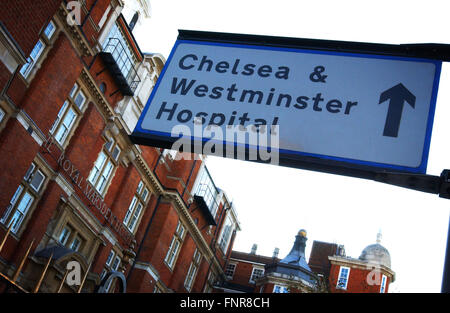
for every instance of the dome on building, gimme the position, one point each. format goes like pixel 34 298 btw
pixel 376 253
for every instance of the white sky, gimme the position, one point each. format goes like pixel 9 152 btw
pixel 273 202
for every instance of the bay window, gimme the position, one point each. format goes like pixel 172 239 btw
pixel 205 187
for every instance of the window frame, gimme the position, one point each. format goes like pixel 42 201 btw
pixel 256 268
pixel 140 200
pixel 49 36
pixel 67 234
pixel 69 108
pixel 227 230
pixel 108 163
pixel 191 274
pixel 46 41
pixel 2 115
pixel 73 235
pixel 340 276
pixel 205 184
pixel 227 270
pixel 28 67
pixel 109 266
pixel 172 253
pixel 116 32
pixel 17 211
pixel 282 288
pixel 383 284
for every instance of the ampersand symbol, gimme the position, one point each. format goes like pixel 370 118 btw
pixel 316 76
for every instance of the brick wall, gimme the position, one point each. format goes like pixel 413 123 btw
pixel 25 19
pixel 357 282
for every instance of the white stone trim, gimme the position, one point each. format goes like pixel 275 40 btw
pixel 149 269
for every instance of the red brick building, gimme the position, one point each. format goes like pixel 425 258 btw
pixel 370 273
pixel 328 270
pixel 74 187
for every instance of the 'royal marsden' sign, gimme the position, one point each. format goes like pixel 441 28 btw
pixel 89 192
pixel 357 110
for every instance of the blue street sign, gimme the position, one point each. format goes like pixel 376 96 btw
pixel 370 111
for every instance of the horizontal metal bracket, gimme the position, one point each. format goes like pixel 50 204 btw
pixel 421 182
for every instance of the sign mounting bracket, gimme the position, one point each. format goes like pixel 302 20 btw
pixel 421 182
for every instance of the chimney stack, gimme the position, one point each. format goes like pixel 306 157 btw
pixel 275 253
pixel 254 247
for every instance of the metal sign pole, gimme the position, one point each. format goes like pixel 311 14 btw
pixel 446 276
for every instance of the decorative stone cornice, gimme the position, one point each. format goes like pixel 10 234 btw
pixel 75 32
pixel 95 92
pixel 360 264
pixel 140 163
pixel 195 232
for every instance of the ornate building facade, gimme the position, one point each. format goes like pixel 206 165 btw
pixel 75 189
pixel 328 270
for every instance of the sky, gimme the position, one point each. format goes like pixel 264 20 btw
pixel 273 202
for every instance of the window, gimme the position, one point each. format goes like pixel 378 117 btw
pixel 121 51
pixel 280 289
pixel 175 245
pixel 71 238
pixel 115 264
pixel 25 195
pixel 383 284
pixel 111 256
pixel 225 236
pixel 32 59
pixel 112 264
pixel 113 149
pixel 135 209
pixel 204 187
pixel 114 267
pixel 192 272
pixel 76 243
pixel 68 114
pixel 344 273
pixel 65 233
pixel 49 30
pixel 229 270
pixel 102 170
pixel 257 273
pixel 2 114
pixel 37 50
